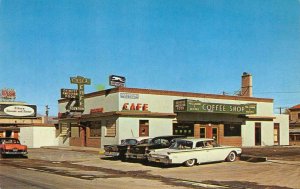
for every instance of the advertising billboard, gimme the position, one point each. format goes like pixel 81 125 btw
pixel 15 110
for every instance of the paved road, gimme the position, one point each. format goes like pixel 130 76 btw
pixel 48 168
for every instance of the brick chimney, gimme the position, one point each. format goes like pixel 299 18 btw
pixel 246 89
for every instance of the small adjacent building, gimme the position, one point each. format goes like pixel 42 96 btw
pixel 118 113
pixel 294 113
pixel 19 120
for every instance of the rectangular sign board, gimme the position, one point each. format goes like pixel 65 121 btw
pixel 80 80
pixel 8 93
pixel 117 81
pixel 187 105
pixel 17 110
pixel 69 93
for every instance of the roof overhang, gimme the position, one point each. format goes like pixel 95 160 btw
pixel 260 118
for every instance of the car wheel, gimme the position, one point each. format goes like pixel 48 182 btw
pixel 231 157
pixel 190 162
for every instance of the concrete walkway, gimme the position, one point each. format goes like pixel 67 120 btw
pixel 76 148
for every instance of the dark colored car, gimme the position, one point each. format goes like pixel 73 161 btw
pixel 12 146
pixel 120 150
pixel 141 151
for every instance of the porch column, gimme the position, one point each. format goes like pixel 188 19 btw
pixel 197 130
pixel 209 133
pixel 82 136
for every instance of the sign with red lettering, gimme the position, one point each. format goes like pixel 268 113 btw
pixel 8 94
pixel 135 107
pixel 96 110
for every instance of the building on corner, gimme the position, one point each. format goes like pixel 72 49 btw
pixel 118 113
pixel 294 113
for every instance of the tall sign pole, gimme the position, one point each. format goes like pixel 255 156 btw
pixel 80 81
pixel 76 95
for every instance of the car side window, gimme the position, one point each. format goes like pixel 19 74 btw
pixel 165 142
pixel 200 144
pixel 132 142
pixel 157 141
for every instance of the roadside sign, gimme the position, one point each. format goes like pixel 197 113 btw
pixel 117 81
pixel 69 93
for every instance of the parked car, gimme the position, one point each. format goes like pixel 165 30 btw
pixel 141 151
pixel 120 150
pixel 12 146
pixel 192 151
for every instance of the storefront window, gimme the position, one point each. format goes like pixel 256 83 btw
pixel 95 129
pixel 232 130
pixel 202 132
pixel 183 129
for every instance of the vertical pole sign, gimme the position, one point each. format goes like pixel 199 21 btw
pixel 80 81
pixel 76 95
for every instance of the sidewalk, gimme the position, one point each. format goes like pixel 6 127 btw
pixel 76 148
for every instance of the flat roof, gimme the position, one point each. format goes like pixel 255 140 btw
pixel 171 93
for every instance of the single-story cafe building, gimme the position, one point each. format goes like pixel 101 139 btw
pixel 119 113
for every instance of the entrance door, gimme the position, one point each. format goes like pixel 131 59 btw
pixel 202 132
pixel 257 134
pixel 276 134
pixel 8 134
pixel 144 128
pixel 215 132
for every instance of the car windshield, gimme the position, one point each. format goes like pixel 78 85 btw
pixel 145 141
pixel 129 142
pixel 182 144
pixel 11 141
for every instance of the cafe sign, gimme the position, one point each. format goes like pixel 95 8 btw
pixel 186 105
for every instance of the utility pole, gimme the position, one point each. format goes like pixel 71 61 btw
pixel 47 113
pixel 47 110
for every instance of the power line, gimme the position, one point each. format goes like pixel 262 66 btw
pixel 269 92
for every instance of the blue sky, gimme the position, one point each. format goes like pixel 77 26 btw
pixel 182 45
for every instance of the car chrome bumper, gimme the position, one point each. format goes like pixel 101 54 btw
pixel 112 154
pixel 15 153
pixel 160 160
pixel 136 156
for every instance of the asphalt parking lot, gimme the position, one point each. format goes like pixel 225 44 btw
pixel 279 171
pixel 282 169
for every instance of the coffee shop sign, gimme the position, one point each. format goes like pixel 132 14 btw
pixel 187 105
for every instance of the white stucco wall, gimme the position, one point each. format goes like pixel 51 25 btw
pixel 108 103
pixel 129 127
pixel 283 121
pixel 248 133
pixel 35 137
pixel 267 133
pixel 26 136
pixel 164 104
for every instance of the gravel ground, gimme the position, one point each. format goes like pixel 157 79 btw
pixel 289 153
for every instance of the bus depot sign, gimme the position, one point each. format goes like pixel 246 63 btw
pixel 76 95
pixel 187 105
pixel 117 81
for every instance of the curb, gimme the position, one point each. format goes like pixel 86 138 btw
pixel 251 158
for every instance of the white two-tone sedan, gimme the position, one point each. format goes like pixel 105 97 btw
pixel 194 151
